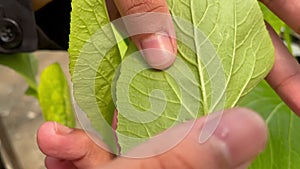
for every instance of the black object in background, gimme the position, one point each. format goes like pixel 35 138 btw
pixel 54 21
pixel 17 27
pixel 298 58
pixel 1 163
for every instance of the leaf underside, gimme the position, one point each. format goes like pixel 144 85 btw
pixel 236 31
pixel 227 51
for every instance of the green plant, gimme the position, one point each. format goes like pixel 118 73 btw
pixel 92 37
pixel 52 91
pixel 88 46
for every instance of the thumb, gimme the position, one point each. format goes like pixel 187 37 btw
pixel 66 147
pixel 149 24
pixel 239 137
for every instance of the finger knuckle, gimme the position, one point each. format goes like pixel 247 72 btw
pixel 140 6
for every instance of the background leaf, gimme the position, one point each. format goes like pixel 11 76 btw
pixel 26 65
pixel 283 150
pixel 54 96
pixel 272 19
pixel 278 25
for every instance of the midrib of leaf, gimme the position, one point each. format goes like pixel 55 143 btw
pixel 207 38
pixel 199 66
pixel 204 90
pixel 187 58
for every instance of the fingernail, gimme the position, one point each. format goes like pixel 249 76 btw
pixel 61 129
pixel 240 135
pixel 158 51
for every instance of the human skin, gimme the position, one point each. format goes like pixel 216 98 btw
pixel 285 75
pixel 72 148
pixel 232 146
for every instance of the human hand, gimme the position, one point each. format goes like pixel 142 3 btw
pixel 285 75
pixel 232 146
pixel 163 39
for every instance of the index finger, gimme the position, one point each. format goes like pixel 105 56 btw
pixel 150 26
pixel 285 74
pixel 287 10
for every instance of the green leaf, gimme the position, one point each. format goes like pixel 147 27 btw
pixel 91 39
pixel 283 150
pixel 224 51
pixel 278 25
pixel 272 19
pixel 150 101
pixel 24 64
pixel 226 48
pixel 32 92
pixel 287 37
pixel 54 96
